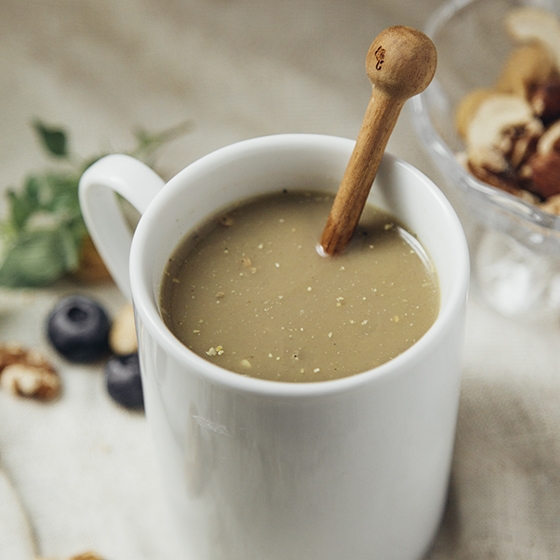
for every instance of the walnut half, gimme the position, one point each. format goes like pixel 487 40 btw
pixel 27 373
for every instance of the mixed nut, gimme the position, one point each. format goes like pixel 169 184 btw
pixel 27 373
pixel 512 130
pixel 80 330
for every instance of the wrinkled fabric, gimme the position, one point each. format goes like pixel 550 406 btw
pixel 79 474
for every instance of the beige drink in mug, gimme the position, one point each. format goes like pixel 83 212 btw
pixel 255 297
pixel 249 291
pixel 355 467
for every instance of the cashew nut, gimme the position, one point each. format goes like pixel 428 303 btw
pixel 526 67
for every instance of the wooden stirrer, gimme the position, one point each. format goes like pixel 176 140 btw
pixel 400 63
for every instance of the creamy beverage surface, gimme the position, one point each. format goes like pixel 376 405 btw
pixel 250 292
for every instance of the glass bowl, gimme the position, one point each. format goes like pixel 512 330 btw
pixel 515 247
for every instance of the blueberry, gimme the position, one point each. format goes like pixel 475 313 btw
pixel 78 327
pixel 124 384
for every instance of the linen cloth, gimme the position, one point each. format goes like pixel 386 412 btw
pixel 79 474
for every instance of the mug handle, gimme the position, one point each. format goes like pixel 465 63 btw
pixel 101 182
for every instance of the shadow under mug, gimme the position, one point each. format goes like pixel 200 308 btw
pixel 352 468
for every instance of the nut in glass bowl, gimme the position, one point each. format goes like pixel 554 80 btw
pixel 488 132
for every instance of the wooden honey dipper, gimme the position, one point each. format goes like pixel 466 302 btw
pixel 400 63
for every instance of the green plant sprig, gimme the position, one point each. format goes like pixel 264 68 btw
pixel 42 233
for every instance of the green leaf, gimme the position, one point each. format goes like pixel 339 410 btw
pixel 53 139
pixel 61 192
pixel 19 210
pixel 70 245
pixel 148 143
pixel 39 258
pixel 41 239
pixel 32 192
pixel 22 205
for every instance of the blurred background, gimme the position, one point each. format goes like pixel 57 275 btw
pixel 78 474
pixel 235 68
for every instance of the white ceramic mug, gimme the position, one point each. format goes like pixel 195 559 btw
pixel 355 468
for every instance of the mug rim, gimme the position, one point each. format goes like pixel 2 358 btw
pixel 147 309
